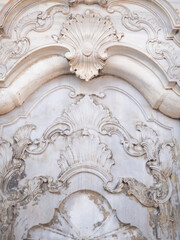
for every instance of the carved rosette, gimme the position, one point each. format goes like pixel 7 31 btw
pixel 87 38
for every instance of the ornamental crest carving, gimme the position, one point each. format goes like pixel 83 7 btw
pixel 87 43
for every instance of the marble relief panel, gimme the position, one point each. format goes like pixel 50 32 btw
pixel 87 161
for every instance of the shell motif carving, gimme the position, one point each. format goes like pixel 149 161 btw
pixel 64 226
pixel 87 37
pixel 94 157
pixel 77 116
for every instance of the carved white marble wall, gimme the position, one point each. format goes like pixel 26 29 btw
pixel 89 125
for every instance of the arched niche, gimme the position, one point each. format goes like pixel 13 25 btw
pixel 123 61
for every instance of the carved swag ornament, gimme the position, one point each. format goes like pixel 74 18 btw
pixel 82 127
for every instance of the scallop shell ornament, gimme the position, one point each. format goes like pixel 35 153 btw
pixel 94 157
pixel 87 37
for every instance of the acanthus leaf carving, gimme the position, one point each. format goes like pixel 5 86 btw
pixel 17 46
pixel 144 21
pixel 131 186
pixel 13 194
pixel 86 128
pixel 159 162
pixel 149 139
pixel 22 139
pixel 6 154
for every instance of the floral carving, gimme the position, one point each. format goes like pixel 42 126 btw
pixel 88 43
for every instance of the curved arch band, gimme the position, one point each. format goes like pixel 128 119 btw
pixel 138 70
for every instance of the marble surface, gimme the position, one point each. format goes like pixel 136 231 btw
pixel 89 124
